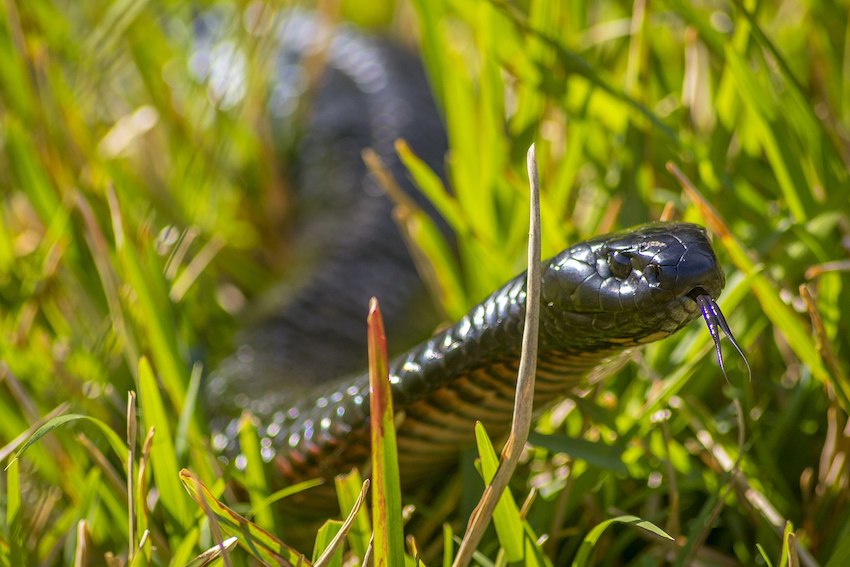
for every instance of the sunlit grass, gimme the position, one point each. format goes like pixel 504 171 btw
pixel 140 211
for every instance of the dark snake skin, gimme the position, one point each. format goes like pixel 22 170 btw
pixel 600 298
pixel 346 245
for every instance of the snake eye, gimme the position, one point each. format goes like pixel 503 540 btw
pixel 619 264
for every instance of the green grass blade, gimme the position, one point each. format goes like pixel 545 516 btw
pixel 790 557
pixel 506 517
pixel 432 187
pixel 181 443
pixel 12 548
pixel 255 476
pixel 348 487
pixel 583 558
pixel 153 302
pixel 764 556
pixel 187 548
pixel 772 137
pixel 446 282
pixel 324 538
pixel 163 457
pixel 431 14
pixel 448 545
pixel 285 492
pixel 13 495
pixel 114 440
pixel 336 542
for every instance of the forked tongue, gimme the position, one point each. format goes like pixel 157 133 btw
pixel 715 320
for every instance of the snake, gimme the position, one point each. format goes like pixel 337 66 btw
pixel 601 298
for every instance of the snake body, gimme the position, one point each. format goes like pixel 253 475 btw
pixel 600 298
pixel 344 243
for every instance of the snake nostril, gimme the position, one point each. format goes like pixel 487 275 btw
pixel 651 274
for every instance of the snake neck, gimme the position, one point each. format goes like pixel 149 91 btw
pixel 464 373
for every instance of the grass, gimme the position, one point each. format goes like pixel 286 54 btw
pixel 140 212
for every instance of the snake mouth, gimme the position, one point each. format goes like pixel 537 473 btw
pixel 716 322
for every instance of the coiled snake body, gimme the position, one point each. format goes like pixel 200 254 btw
pixel 599 299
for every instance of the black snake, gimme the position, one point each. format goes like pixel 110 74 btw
pixel 599 298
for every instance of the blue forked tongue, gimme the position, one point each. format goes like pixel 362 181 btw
pixel 715 320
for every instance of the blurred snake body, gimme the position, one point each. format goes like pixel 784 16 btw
pixel 600 298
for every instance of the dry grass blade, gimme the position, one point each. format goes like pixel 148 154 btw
pixel 198 264
pixel 523 405
pixel 213 553
pixel 81 556
pixel 367 558
pixel 821 339
pixel 414 226
pixel 826 267
pixel 669 212
pixel 387 181
pixel 715 223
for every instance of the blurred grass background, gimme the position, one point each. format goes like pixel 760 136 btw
pixel 141 210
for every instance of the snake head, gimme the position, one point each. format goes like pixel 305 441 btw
pixel 631 287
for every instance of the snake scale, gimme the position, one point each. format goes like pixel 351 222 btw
pixel 600 298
